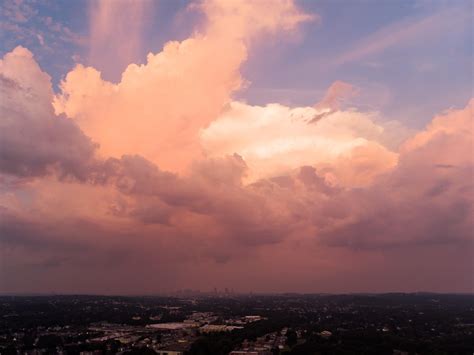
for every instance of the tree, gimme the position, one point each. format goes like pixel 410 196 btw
pixel 291 338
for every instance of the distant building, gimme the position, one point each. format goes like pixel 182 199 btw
pixel 169 352
pixel 173 326
pixel 252 318
pixel 211 328
pixel 325 334
pixel 179 348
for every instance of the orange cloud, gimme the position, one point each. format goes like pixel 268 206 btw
pixel 158 109
pixel 138 217
pixel 191 188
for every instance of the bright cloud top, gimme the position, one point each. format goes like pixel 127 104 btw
pixel 179 90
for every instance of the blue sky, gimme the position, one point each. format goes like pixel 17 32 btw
pixel 409 59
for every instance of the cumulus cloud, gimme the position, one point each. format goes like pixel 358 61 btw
pixel 426 199
pixel 190 188
pixel 32 138
pixel 276 139
pixel 163 104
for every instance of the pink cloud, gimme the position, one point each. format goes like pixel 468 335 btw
pixel 163 104
pixel 192 189
pixel 336 94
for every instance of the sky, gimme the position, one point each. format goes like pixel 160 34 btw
pixel 264 146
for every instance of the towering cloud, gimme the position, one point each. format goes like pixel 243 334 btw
pixel 166 175
pixel 163 104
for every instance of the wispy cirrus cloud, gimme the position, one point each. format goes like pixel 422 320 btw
pixel 405 33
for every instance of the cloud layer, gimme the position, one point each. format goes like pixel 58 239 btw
pixel 166 176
